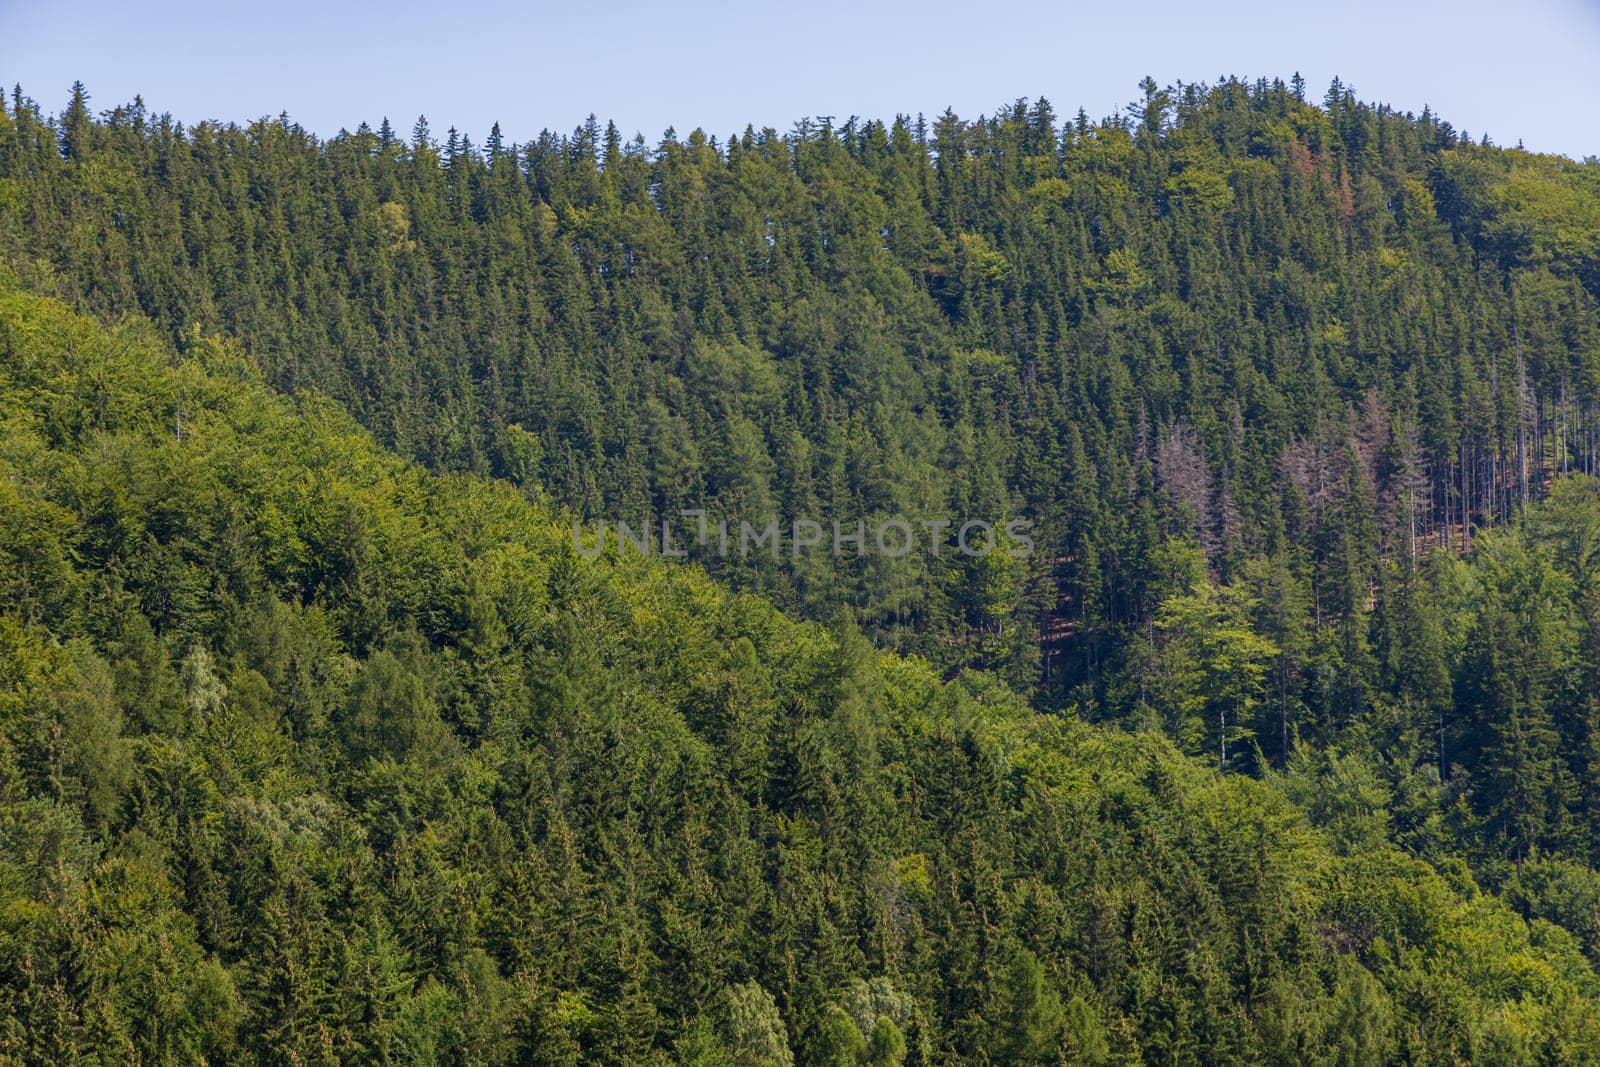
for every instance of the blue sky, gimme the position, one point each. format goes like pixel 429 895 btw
pixel 1518 69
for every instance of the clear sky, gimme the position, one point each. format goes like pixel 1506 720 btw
pixel 1518 69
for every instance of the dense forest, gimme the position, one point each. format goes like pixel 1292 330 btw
pixel 321 741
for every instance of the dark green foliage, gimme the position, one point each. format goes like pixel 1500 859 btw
pixel 310 755
pixel 318 758
pixel 1325 336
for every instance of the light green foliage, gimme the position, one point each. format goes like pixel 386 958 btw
pixel 319 741
pixel 756 1032
pixel 1210 666
pixel 408 777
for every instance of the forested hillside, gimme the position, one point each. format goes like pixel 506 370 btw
pixel 321 741
pixel 307 756
pixel 1293 356
pixel 1315 336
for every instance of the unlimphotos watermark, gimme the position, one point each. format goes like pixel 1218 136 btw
pixel 893 538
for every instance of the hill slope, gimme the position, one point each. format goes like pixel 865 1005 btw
pixel 1316 334
pixel 309 756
